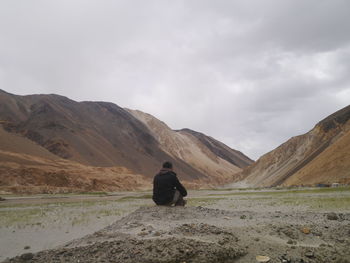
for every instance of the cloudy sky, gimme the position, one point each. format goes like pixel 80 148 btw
pixel 249 73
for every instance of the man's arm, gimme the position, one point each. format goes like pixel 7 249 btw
pixel 180 187
pixel 155 189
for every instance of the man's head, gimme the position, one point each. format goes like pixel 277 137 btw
pixel 168 165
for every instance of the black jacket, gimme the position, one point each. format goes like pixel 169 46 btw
pixel 164 185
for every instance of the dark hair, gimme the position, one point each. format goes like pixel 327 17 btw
pixel 168 165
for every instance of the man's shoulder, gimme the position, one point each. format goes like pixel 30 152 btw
pixel 171 173
pixel 166 174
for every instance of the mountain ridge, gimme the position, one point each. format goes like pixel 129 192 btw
pixel 103 134
pixel 192 147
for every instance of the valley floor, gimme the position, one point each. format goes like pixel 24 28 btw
pixel 287 225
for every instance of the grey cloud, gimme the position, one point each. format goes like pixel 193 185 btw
pixel 250 73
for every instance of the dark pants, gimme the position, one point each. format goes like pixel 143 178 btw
pixel 178 199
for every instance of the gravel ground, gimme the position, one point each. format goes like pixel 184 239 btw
pixel 217 226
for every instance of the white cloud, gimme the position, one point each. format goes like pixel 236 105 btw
pixel 249 73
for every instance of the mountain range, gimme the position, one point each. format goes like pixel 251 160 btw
pixel 52 143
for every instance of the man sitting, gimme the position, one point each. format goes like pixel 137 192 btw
pixel 167 189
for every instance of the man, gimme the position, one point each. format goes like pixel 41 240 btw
pixel 167 189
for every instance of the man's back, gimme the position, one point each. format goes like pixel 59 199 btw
pixel 165 184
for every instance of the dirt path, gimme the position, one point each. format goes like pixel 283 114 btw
pixel 218 226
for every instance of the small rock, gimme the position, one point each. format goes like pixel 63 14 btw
pixel 2 199
pixel 309 254
pixel 222 242
pixel 317 233
pixel 227 217
pixel 142 234
pixel 27 247
pixel 306 230
pixel 285 259
pixel 290 242
pixel 262 258
pixel 156 234
pixel 149 228
pixel 27 256
pixel 332 216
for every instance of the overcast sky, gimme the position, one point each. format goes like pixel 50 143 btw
pixel 249 73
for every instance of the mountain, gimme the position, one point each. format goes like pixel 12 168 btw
pixel 26 167
pixel 321 156
pixel 102 134
pixel 212 158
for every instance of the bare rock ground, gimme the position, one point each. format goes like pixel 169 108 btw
pixel 217 227
pixel 198 234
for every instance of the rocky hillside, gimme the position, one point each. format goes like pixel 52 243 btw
pixel 319 156
pixel 26 167
pixel 212 158
pixel 101 134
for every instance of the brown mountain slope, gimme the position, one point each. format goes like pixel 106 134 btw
pixel 332 166
pixel 221 150
pixel 26 167
pixel 212 158
pixel 23 173
pixel 92 133
pixel 319 156
pixel 15 143
pixel 96 134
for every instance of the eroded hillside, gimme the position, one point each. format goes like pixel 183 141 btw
pixel 319 156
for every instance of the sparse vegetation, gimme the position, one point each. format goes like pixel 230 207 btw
pixel 319 203
pixel 73 213
pixel 127 198
pixel 83 211
pixel 94 193
pixel 284 191
pixel 20 217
